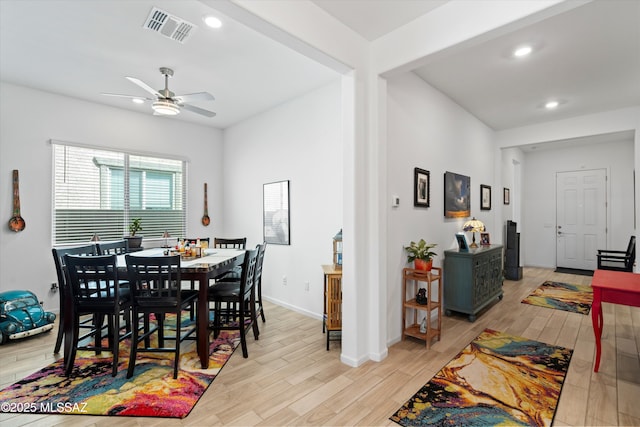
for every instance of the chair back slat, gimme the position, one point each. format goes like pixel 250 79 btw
pixel 119 247
pixel 154 280
pixel 230 243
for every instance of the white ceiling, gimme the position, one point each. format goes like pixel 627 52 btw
pixel 85 48
pixel 588 57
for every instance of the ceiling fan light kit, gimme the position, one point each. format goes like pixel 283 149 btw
pixel 165 107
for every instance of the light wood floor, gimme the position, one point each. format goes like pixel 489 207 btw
pixel 290 379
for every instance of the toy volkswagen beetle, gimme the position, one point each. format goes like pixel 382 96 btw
pixel 21 315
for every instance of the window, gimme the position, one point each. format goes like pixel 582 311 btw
pixel 100 191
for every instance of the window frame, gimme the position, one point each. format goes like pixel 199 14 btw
pixel 77 224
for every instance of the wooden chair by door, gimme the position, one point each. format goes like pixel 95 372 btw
pixel 156 290
pixel 63 287
pixel 96 291
pixel 616 259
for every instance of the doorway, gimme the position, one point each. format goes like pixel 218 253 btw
pixel 581 217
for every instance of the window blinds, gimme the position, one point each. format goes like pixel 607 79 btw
pixel 100 191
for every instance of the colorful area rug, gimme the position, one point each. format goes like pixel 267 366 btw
pixel 498 379
pixel 562 296
pixel 91 390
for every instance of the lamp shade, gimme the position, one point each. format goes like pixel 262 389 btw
pixel 473 225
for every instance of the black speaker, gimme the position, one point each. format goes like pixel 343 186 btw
pixel 512 268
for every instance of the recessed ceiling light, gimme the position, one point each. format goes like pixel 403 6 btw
pixel 522 51
pixel 551 105
pixel 212 21
pixel 137 100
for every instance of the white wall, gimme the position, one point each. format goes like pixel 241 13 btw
pixel 538 228
pixel 299 141
pixel 428 130
pixel 30 118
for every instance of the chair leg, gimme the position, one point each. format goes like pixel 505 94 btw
pixel 115 343
pixel 72 341
pixel 134 344
pixel 243 335
pixel 56 349
pixel 176 361
pixel 260 302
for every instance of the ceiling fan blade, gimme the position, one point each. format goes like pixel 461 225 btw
pixel 190 97
pixel 145 86
pixel 198 110
pixel 127 96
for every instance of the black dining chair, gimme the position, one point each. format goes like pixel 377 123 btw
pixel 258 280
pixel 96 291
pixel 63 289
pixel 222 243
pixel 238 312
pixel 156 290
pixel 119 247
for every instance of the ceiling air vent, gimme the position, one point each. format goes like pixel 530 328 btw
pixel 168 25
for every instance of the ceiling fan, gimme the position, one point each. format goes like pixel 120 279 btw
pixel 166 102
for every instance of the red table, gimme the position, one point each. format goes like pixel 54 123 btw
pixel 616 287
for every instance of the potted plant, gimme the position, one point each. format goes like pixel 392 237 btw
pixel 421 254
pixel 134 227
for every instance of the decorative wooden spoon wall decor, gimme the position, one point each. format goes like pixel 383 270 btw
pixel 205 218
pixel 16 223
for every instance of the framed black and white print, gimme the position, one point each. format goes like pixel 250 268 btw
pixel 421 189
pixel 506 196
pixel 276 213
pixel 485 197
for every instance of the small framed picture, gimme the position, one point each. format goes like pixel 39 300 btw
pixel 485 197
pixel 463 246
pixel 421 180
pixel 485 240
pixel 506 196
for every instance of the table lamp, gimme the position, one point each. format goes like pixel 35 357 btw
pixel 474 226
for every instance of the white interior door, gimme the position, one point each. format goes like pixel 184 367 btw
pixel 581 218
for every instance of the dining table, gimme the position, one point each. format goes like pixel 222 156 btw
pixel 200 271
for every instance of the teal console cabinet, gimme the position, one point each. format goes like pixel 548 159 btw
pixel 472 279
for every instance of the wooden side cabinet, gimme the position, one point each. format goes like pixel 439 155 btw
pixel 472 279
pixel 411 282
pixel 332 316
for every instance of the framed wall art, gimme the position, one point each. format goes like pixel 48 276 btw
pixel 485 197
pixel 506 196
pixel 276 216
pixel 421 190
pixel 457 200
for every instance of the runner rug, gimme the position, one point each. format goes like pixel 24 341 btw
pixel 562 296
pixel 498 379
pixel 91 390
